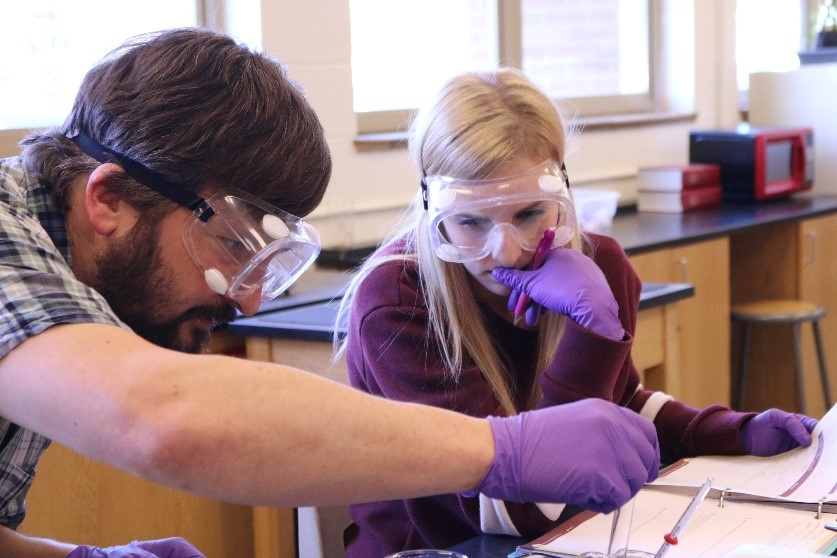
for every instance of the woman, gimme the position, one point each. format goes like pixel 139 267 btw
pixel 431 315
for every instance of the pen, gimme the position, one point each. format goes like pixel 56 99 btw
pixel 831 526
pixel 671 538
pixel 537 260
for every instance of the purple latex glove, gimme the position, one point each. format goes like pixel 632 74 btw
pixel 569 283
pixel 591 453
pixel 174 547
pixel 775 431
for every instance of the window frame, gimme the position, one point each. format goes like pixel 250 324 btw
pixel 510 51
pixel 208 13
pixel 807 38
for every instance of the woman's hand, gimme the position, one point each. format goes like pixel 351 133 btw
pixel 571 284
pixel 775 431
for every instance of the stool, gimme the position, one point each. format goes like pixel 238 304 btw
pixel 780 312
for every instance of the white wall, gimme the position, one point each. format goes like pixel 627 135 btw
pixel 812 89
pixel 369 187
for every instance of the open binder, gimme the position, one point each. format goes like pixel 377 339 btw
pixel 803 478
pixel 783 501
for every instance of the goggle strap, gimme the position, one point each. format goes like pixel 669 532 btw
pixel 203 211
pixel 144 175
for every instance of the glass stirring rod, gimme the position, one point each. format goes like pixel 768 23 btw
pixel 671 538
pixel 613 531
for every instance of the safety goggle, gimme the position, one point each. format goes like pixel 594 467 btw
pixel 240 242
pixel 468 217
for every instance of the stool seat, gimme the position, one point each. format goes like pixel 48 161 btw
pixel 782 311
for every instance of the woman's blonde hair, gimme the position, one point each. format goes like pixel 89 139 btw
pixel 478 122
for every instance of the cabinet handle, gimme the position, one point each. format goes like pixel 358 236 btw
pixel 811 256
pixel 683 263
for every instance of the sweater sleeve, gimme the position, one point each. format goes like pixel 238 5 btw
pixel 587 365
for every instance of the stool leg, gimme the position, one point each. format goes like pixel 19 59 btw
pixel 823 371
pixel 800 373
pixel 743 363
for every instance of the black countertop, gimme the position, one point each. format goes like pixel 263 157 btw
pixel 309 308
pixel 315 321
pixel 642 232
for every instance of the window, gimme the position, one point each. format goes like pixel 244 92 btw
pixel 595 50
pixel 42 70
pixel 595 54
pixel 768 39
pixel 402 50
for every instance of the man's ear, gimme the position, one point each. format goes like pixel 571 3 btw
pixel 106 210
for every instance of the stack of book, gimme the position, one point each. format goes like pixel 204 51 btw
pixel 679 188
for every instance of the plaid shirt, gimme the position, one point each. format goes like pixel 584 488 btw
pixel 38 290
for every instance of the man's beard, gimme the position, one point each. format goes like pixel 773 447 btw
pixel 133 279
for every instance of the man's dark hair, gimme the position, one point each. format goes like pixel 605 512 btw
pixel 201 110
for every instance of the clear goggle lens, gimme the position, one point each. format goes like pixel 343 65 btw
pixel 248 245
pixel 468 217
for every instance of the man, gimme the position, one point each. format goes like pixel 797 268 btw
pixel 165 203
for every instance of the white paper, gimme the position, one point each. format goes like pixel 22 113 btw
pixel 711 532
pixel 800 475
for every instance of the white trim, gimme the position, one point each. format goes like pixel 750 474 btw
pixel 653 405
pixel 551 511
pixel 494 518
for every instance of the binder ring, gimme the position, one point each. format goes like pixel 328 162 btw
pixel 724 493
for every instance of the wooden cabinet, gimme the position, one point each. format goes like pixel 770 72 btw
pixel 78 500
pixel 704 342
pixel 791 260
pixel 656 348
pixel 818 283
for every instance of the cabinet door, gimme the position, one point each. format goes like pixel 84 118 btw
pixel 76 499
pixel 704 340
pixel 704 318
pixel 818 284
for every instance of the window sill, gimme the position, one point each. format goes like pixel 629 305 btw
pixel 381 141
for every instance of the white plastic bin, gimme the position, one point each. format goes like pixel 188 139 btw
pixel 594 209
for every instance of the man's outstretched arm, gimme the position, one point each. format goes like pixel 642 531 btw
pixel 264 434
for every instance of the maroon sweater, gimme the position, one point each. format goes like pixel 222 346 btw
pixel 391 354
